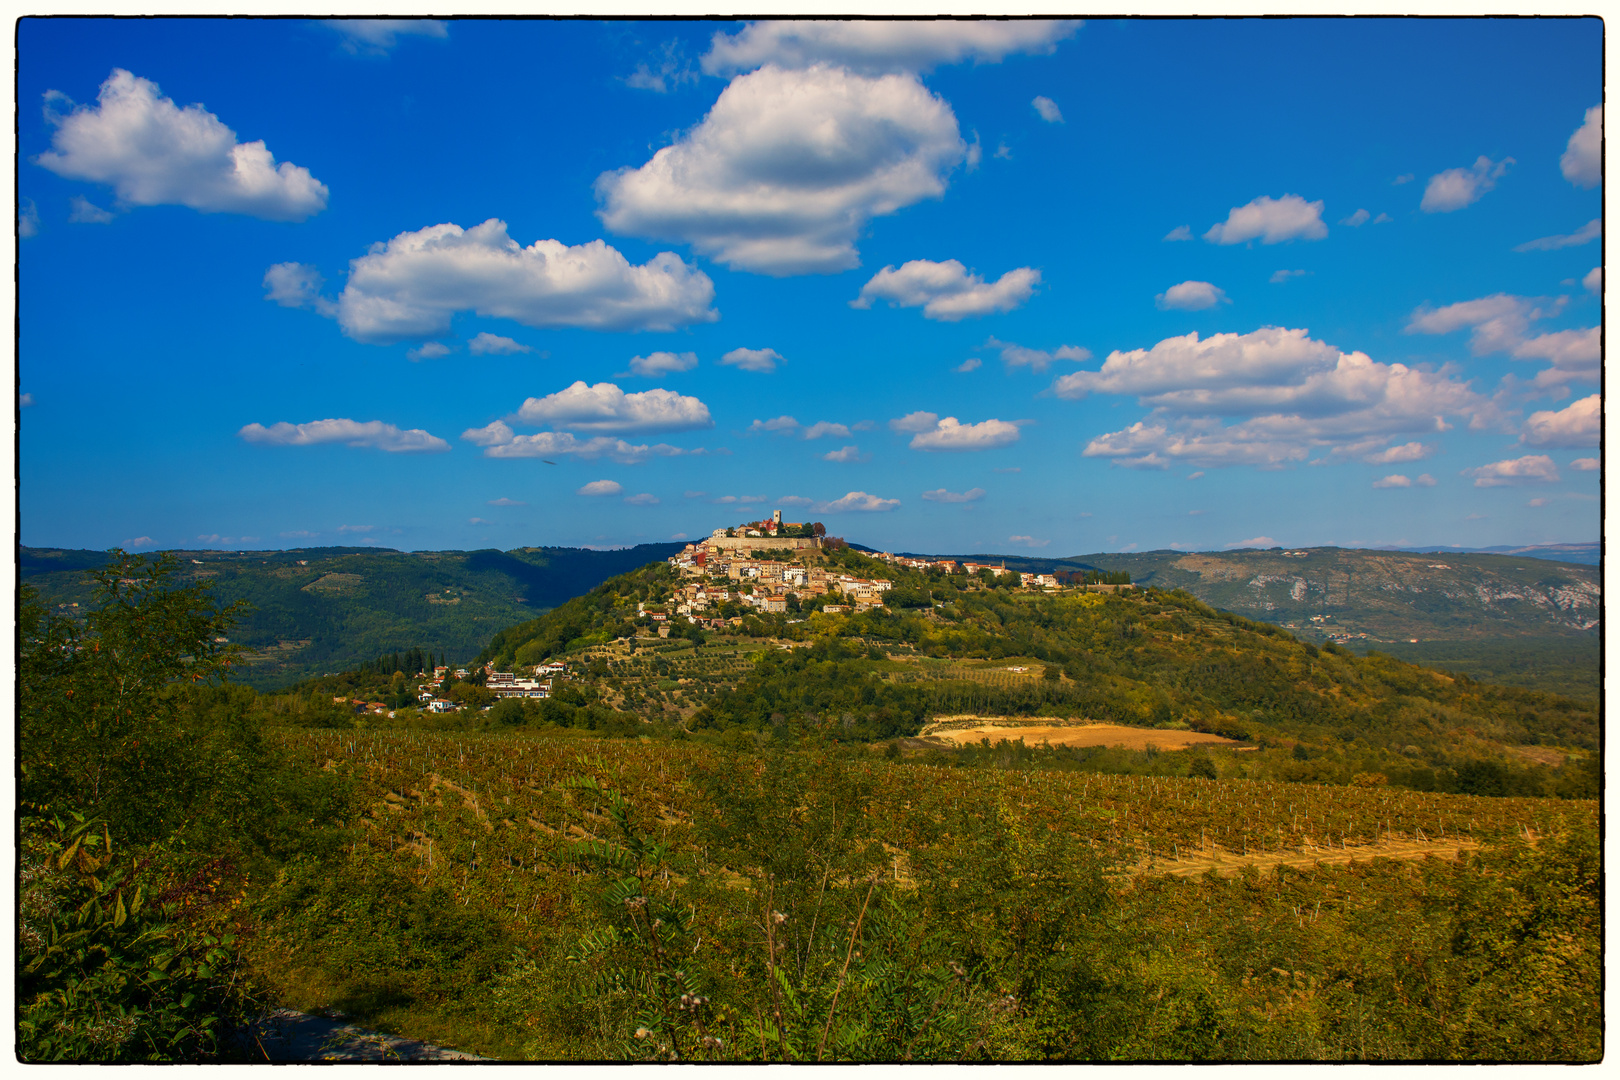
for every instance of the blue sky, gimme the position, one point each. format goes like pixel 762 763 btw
pixel 1020 287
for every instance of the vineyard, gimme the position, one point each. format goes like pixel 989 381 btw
pixel 509 830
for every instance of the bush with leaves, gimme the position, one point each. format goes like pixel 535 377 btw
pixel 108 971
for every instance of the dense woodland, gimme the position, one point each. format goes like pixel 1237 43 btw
pixel 718 848
pixel 317 610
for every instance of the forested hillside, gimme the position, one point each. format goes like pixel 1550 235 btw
pixel 317 610
pixel 1502 618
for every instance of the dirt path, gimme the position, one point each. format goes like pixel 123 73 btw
pixel 1230 863
pixel 289 1036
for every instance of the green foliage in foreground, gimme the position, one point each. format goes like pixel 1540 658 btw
pixel 803 905
pixel 130 745
pixel 106 972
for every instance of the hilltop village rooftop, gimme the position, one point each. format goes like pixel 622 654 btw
pixel 722 568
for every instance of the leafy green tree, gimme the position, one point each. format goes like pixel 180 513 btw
pixel 130 740
pixel 105 720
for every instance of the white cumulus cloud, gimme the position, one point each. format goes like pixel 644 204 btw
pixel 662 363
pixel 1583 235
pixel 1457 188
pixel 788 166
pixel 1411 451
pixel 487 344
pixel 1048 109
pixel 507 502
pixel 1501 323
pixel 429 350
pixel 1582 163
pixel 1292 393
pixel 371 433
pixel 875 46
pixel 412 285
pixel 950 434
pixel 1271 221
pixel 946 290
pixel 1027 541
pixel 1016 356
pixel 550 444
pixel 605 407
pixel 1579 424
pixel 297 285
pixel 845 454
pixel 1190 296
pixel 495 433
pixel 782 425
pixel 856 500
pixel 1282 277
pixel 942 495
pixel 1255 542
pixel 1530 469
pixel 915 422
pixel 1180 232
pixel 1593 281
pixel 972 363
pixel 152 152
pixel 1586 464
pixel 601 487
pixel 1357 219
pixel 644 499
pixel 1394 480
pixel 760 360
pixel 27 219
pixel 826 427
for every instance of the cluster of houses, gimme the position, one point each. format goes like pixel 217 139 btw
pixel 721 569
pixel 503 684
pixel 762 584
pixel 951 566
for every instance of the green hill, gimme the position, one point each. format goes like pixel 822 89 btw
pixel 1513 619
pixel 949 645
pixel 318 610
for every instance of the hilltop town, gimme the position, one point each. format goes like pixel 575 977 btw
pixel 751 580
pixel 775 566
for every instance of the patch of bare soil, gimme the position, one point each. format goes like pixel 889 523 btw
pixel 1541 755
pixel 971 729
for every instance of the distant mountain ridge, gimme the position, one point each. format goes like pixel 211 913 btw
pixel 1590 554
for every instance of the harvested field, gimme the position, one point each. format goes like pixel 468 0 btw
pixel 971 729
pixel 1193 863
